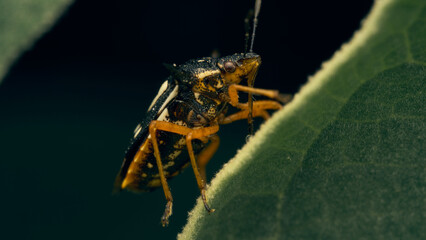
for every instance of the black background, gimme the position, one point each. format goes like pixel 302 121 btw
pixel 69 105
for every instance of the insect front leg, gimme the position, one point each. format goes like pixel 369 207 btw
pixel 273 94
pixel 250 106
pixel 259 110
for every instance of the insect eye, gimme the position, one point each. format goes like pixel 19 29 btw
pixel 229 66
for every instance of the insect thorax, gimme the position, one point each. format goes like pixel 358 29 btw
pixel 195 108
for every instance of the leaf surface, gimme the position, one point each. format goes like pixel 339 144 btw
pixel 22 22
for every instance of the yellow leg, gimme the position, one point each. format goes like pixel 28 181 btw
pixel 259 110
pixel 273 94
pixel 204 156
pixel 191 134
pixel 153 128
pixel 197 134
pixel 244 115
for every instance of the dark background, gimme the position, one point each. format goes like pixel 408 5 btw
pixel 69 105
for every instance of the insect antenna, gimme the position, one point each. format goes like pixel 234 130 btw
pixel 256 13
pixel 251 82
pixel 247 29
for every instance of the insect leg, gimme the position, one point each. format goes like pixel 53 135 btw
pixel 206 154
pixel 168 211
pixel 197 134
pixel 273 94
pixel 259 110
pixel 244 115
pixel 191 134
pixel 261 105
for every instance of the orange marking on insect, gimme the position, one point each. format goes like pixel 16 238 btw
pixel 133 173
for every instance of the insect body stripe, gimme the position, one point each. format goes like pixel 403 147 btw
pixel 137 130
pixel 172 95
pixel 164 115
pixel 204 74
pixel 160 92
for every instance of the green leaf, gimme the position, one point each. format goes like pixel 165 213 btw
pixel 22 22
pixel 345 159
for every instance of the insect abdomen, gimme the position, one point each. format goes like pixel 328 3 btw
pixel 142 174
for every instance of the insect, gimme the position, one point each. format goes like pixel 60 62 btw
pixel 182 121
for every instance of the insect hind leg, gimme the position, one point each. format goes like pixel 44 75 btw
pixel 169 206
pixel 197 134
pixel 191 134
pixel 206 154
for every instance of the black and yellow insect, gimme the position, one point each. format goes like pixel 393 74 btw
pixel 183 119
